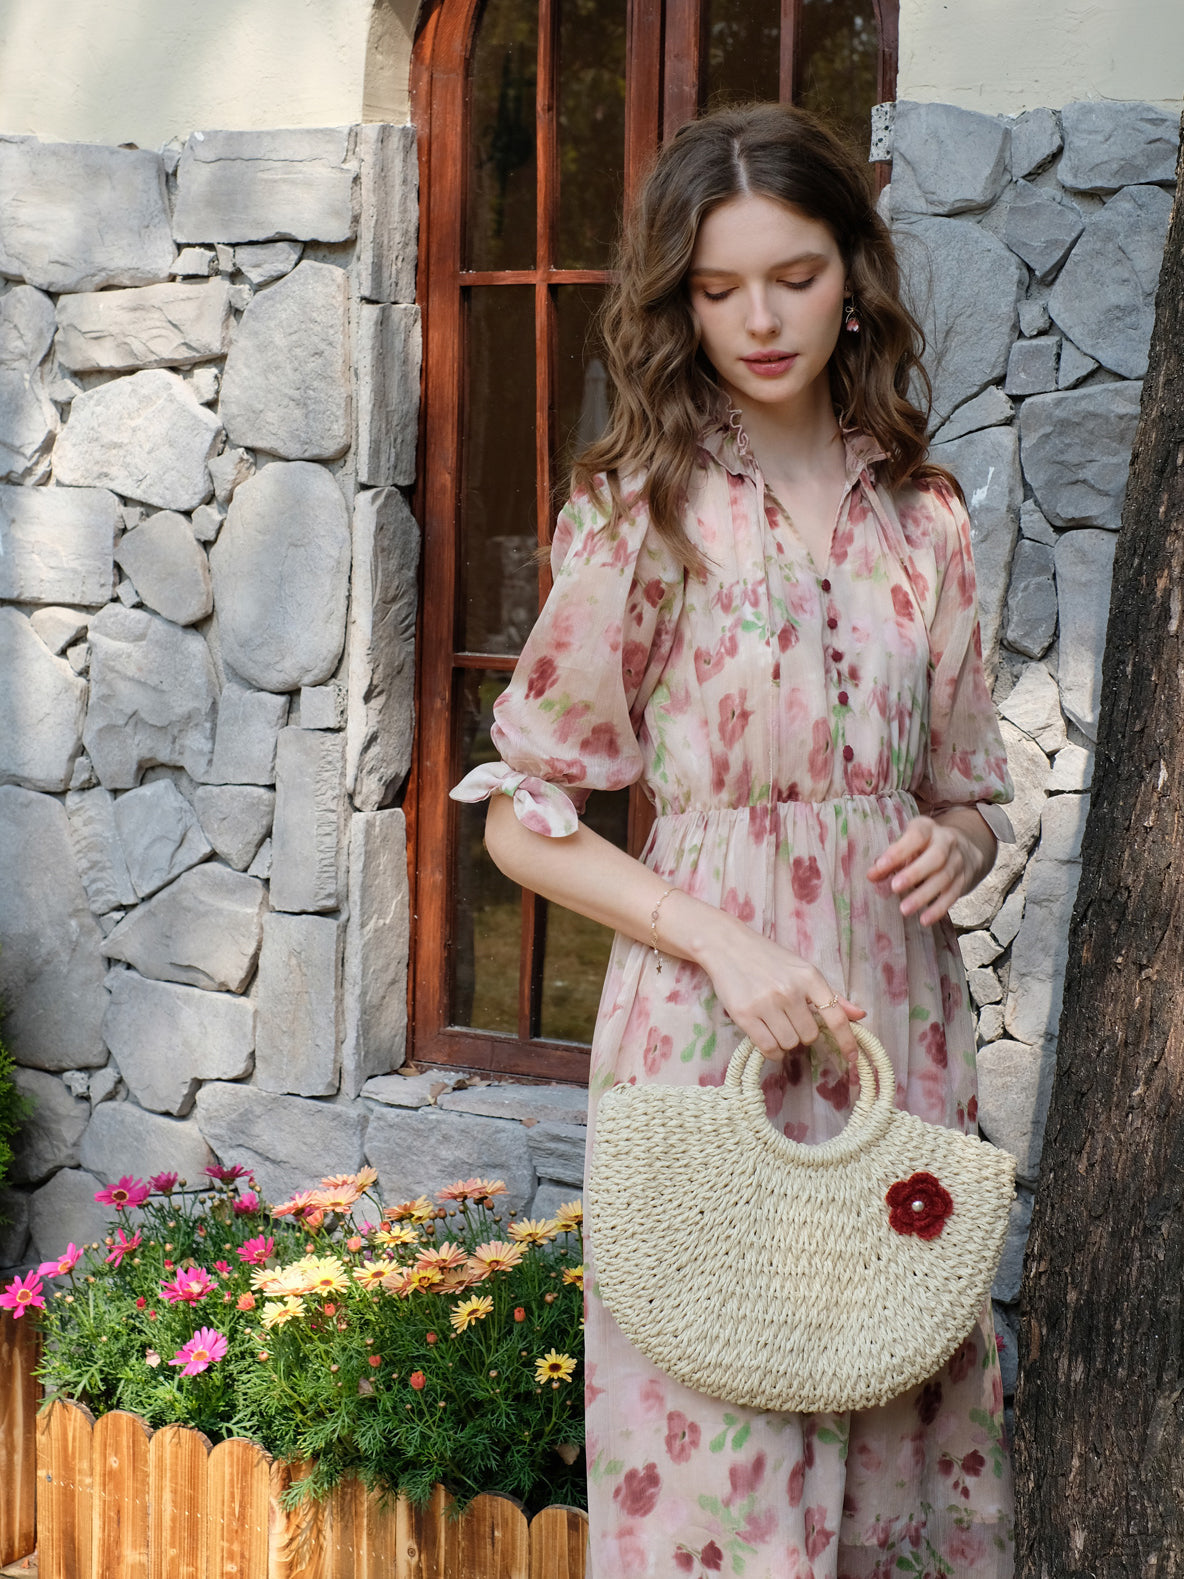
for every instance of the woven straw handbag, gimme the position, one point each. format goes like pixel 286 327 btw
pixel 791 1277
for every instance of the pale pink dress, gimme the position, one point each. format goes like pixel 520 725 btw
pixel 787 719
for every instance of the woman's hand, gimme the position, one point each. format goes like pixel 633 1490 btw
pixel 774 996
pixel 935 861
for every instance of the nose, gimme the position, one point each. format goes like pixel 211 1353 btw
pixel 760 318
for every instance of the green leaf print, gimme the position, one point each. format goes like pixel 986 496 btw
pixel 710 1504
pixel 602 1469
pixel 718 1443
pixel 741 1436
pixel 918 1012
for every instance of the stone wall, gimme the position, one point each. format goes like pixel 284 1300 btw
pixel 208 373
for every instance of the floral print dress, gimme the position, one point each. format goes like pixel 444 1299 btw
pixel 787 718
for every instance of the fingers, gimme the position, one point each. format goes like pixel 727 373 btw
pixel 903 850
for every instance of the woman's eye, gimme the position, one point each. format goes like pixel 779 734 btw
pixel 716 296
pixel 800 285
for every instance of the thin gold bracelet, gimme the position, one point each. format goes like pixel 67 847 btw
pixel 654 928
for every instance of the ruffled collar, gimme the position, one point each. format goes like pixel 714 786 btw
pixel 722 442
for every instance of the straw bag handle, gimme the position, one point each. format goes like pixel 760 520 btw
pixel 869 1119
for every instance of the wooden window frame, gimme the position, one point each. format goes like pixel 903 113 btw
pixel 666 55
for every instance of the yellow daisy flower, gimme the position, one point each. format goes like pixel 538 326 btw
pixel 422 1279
pixel 397 1235
pixel 574 1274
pixel 277 1312
pixel 447 1259
pixel 371 1273
pixel 421 1210
pixel 398 1281
pixel 339 1199
pixel 534 1231
pixel 496 1256
pixel 471 1310
pixel 570 1216
pixel 326 1275
pixel 362 1180
pixel 554 1367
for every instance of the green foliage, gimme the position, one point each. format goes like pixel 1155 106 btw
pixel 14 1108
pixel 389 1352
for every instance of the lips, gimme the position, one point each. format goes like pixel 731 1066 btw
pixel 766 364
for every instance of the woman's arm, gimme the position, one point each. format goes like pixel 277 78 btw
pixel 764 988
pixel 936 860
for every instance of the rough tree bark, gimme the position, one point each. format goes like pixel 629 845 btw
pixel 1100 1406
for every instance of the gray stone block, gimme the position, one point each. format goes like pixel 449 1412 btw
pixel 286 389
pixel 307 847
pixel 1042 228
pixel 249 723
pixel 1014 1085
pixel 389 351
pixel 1074 366
pixel 1085 566
pixel 205 383
pixel 985 987
pixel 1039 956
pixel 152 326
pixel 1062 827
pixel 159 834
pixel 106 1084
pixel 195 263
pixel 168 568
pixel 978 949
pixel 381 703
pixel 990 1023
pixel 153 697
pixel 289 1143
pixel 549 1197
pixel 14 1227
pixel 261 865
pixel 265 185
pixel 1028 766
pixel 56 544
pixel 1073 769
pixel 58 628
pixel 1032 366
pixel 78 217
pixel 166 1039
pixel 83 776
pixel 1076 449
pixel 207 522
pixel 415 1091
pixel 1034 318
pixel 144 436
pixel 64 1212
pixel 964 286
pixel 42 707
pixel 281 577
pixel 204 930
pixel 123 1138
pixel 389 213
pixel 1111 143
pixel 987 464
pixel 1007 923
pixel 946 160
pixel 236 819
pixel 229 468
pixel 1007 1345
pixel 418 1152
pixel 991 409
pixel 298 1045
pixel 1034 526
pixel 1035 141
pixel 537 1104
pixel 1031 600
pixel 322 706
pixel 28 419
pixel 1105 296
pixel 557 1151
pixel 97 850
pixel 265 261
pixel 377 940
pixel 49 1138
pixel 1033 705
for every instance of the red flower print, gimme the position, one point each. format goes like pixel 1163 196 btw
pixel 806 878
pixel 633 660
pixel 658 1049
pixel 708 664
pixel 742 908
pixel 541 678
pixel 820 750
pixel 796 1483
pixel 734 717
pixel 951 998
pixel 654 591
pixel 787 636
pixel 758 1527
pixel 638 1492
pixel 835 1088
pixel 773 1085
pixel 744 1479
pixel 966 1548
pixel 963 1360
pixel 712 1558
pixel 902 604
pixel 933 1040
pixel 928 1403
pixel 919 1205
pixel 682 1436
pixel 684 1561
pixel 602 741
pixel 818 1537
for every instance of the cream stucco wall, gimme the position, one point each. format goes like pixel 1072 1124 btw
pixel 1004 56
pixel 143 71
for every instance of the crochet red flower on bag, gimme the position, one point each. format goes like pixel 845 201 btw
pixel 919 1205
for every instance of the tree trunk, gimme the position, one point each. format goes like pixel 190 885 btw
pixel 1100 1407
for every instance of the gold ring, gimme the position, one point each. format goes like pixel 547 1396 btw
pixel 821 1008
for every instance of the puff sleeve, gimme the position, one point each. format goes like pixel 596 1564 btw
pixel 569 720
pixel 966 762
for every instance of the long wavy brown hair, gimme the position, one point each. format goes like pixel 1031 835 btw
pixel 663 388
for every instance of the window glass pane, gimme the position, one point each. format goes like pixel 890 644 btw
pixel 839 50
pixel 743 50
pixel 591 105
pixel 577 950
pixel 500 232
pixel 498 509
pixel 582 384
pixel 486 928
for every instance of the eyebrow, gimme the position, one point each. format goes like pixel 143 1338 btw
pixel 786 263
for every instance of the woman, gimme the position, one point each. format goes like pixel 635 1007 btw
pixel 764 608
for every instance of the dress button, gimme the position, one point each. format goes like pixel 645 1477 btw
pixel 832 623
pixel 848 754
pixel 825 585
pixel 836 655
pixel 843 699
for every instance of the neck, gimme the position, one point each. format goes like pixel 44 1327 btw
pixel 797 444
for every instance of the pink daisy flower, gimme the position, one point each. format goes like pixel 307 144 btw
pixel 204 1348
pixel 227 1175
pixel 246 1203
pixel 256 1251
pixel 162 1183
pixel 128 1192
pixel 66 1262
pixel 121 1245
pixel 188 1287
pixel 22 1293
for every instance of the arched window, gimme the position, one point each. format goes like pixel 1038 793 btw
pixel 535 119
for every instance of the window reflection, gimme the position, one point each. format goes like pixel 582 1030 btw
pixel 502 166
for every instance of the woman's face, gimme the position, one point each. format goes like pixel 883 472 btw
pixel 766 289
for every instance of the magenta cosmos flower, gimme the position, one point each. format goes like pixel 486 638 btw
pixel 127 1193
pixel 162 1183
pixel 204 1348
pixel 227 1175
pixel 246 1204
pixel 121 1246
pixel 22 1293
pixel 256 1251
pixel 187 1287
pixel 66 1262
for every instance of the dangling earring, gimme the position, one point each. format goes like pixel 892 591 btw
pixel 850 321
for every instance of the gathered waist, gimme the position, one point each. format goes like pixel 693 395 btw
pixel 896 799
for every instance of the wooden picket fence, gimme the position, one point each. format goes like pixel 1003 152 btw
pixel 113 1499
